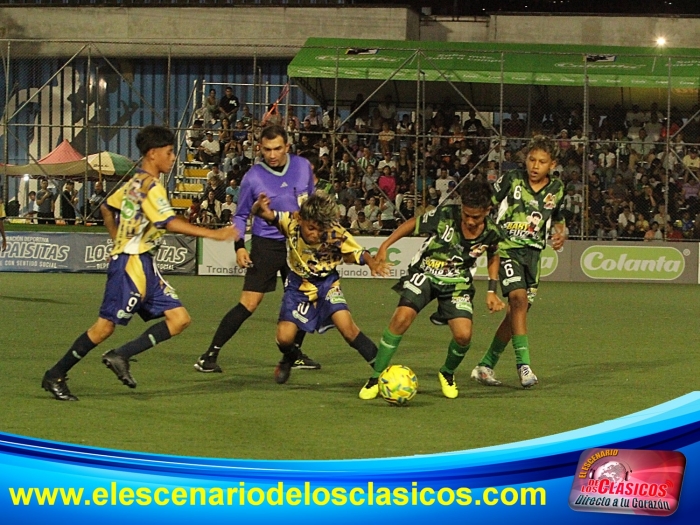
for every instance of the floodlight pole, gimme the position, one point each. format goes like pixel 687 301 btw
pixel 501 95
pixel 331 125
pixel 420 148
pixel 5 121
pixel 668 144
pixel 584 161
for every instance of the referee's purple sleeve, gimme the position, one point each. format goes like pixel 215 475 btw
pixel 246 199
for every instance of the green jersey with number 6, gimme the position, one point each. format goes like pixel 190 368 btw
pixel 446 256
pixel 524 214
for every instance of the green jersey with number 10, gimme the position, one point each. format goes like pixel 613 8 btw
pixel 526 215
pixel 446 256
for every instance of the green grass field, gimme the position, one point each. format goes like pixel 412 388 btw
pixel 601 351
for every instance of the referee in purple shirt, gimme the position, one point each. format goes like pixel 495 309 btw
pixel 287 180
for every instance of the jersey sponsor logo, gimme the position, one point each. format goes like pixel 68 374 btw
pixel 550 202
pixel 163 205
pixel 462 303
pixel 335 296
pixel 128 210
pixel 477 250
pixel 511 280
pixel 438 268
pixel 653 263
pixel 527 228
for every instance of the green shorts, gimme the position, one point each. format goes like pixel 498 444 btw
pixel 454 299
pixel 520 270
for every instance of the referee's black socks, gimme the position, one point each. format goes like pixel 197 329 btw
pixel 228 326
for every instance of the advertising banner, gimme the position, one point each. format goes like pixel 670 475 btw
pixel 634 262
pixel 218 258
pixel 85 252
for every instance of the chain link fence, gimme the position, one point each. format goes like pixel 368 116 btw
pixel 628 155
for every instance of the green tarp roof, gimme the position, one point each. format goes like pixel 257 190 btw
pixel 476 62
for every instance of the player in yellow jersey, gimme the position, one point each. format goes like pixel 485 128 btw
pixel 137 215
pixel 313 299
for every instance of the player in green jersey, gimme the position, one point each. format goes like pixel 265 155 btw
pixel 529 204
pixel 442 269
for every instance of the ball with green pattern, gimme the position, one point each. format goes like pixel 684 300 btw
pixel 398 384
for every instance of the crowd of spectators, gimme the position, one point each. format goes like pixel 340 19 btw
pixel 384 166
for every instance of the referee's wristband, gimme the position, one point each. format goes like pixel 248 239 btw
pixel 240 243
pixel 493 285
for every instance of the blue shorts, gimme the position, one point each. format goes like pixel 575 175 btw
pixel 310 303
pixel 134 286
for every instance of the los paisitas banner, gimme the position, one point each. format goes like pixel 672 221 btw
pixel 86 252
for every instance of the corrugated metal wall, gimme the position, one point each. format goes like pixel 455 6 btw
pixel 99 104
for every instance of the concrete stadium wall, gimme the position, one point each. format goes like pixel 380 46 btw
pixel 565 29
pixel 240 28
pixel 237 29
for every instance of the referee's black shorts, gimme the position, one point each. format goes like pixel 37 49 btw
pixel 268 256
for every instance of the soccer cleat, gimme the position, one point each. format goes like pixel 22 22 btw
pixel 371 389
pixel 207 366
pixel 58 387
pixel 120 366
pixel 437 320
pixel 527 376
pixel 306 363
pixel 449 387
pixel 485 376
pixel 282 371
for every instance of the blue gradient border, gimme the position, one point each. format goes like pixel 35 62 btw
pixel 549 462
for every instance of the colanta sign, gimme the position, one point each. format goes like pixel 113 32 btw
pixel 645 263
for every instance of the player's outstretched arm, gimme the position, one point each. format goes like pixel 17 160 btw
pixel 180 225
pixel 378 268
pixel 402 231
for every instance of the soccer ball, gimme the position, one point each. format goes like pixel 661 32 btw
pixel 398 384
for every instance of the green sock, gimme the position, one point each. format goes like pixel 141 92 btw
pixel 387 349
pixel 522 350
pixel 493 354
pixel 455 355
